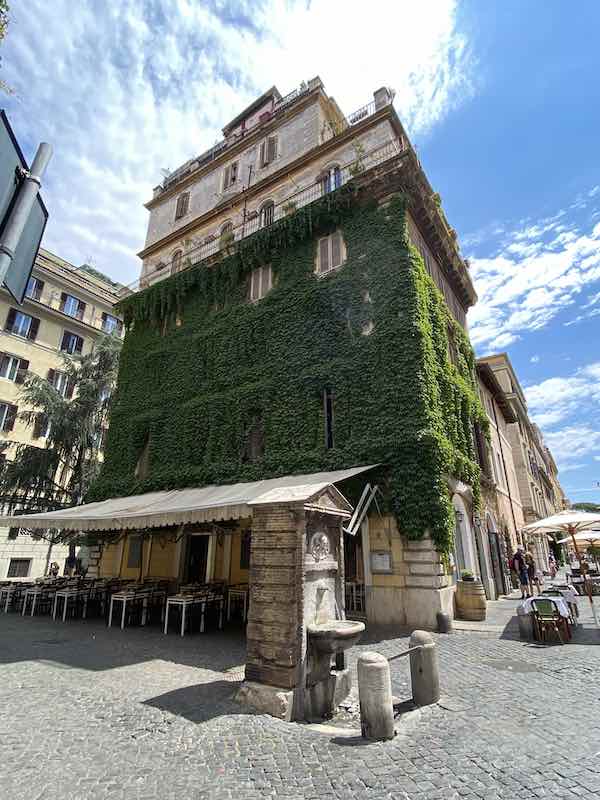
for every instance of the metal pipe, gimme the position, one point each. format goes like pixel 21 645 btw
pixel 17 219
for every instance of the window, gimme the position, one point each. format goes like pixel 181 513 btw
pixel 13 368
pixel 134 553
pixel 22 324
pixel 268 151
pixel 8 415
pixel 330 253
pixel 245 550
pixel 72 305
pixel 19 568
pixel 183 203
pixel 261 281
pixel 176 261
pixel 142 468
pixel 34 288
pixel 71 343
pixel 111 324
pixel 254 446
pixel 61 383
pixel 328 398
pixel 267 214
pixel 331 179
pixel 41 426
pixel 13 533
pixel 230 175
pixel 500 470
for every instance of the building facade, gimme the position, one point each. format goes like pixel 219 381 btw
pixel 537 476
pixel 64 311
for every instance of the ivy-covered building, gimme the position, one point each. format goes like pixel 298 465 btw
pixel 300 320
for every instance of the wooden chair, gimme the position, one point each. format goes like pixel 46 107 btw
pixel 548 618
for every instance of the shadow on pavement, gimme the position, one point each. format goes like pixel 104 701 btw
pixel 201 702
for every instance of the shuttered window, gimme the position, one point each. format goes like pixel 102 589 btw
pixel 183 202
pixel 71 343
pixel 230 175
pixel 176 261
pixel 19 568
pixel 111 324
pixel 72 305
pixel 22 324
pixel 267 214
pixel 8 415
pixel 330 253
pixel 13 368
pixel 34 288
pixel 61 382
pixel 41 426
pixel 268 151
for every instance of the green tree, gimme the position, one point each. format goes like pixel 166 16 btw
pixel 4 8
pixel 60 473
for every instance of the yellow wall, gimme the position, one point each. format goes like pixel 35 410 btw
pixel 162 558
pixel 384 536
pixel 238 575
pixel 109 562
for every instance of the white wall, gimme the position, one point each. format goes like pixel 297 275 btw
pixel 26 547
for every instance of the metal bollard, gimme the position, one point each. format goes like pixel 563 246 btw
pixel 424 669
pixel 375 696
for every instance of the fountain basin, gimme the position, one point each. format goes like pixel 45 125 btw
pixel 334 636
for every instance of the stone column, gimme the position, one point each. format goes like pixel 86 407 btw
pixel 275 619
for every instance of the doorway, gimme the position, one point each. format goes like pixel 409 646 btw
pixel 197 559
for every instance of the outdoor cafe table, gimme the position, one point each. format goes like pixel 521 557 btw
pixel 36 593
pixel 134 595
pixel 8 592
pixel 188 601
pixel 239 592
pixel 67 595
pixel 559 603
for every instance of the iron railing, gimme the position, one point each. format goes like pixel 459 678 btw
pixel 256 220
pixel 355 598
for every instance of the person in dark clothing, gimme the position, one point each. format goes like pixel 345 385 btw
pixel 520 567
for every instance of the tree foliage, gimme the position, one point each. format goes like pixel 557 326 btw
pixel 60 473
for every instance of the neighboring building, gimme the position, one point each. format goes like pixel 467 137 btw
pixel 501 518
pixel 537 476
pixel 64 310
pixel 299 338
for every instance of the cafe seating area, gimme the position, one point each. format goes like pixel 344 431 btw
pixel 182 608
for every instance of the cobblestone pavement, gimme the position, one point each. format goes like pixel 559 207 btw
pixel 88 712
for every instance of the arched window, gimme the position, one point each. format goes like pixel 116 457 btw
pixel 267 214
pixel 183 203
pixel 176 261
pixel 331 179
pixel 227 227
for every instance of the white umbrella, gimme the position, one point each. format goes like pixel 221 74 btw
pixel 571 522
pixel 583 536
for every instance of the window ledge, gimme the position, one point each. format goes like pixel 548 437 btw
pixel 321 275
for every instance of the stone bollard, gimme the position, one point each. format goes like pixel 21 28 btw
pixel 424 669
pixel 375 696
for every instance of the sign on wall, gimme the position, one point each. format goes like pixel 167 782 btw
pixel 381 561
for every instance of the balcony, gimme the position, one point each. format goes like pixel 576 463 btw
pixel 254 221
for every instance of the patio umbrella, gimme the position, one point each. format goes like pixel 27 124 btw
pixel 571 522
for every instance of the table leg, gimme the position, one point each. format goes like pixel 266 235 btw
pixel 166 628
pixel 202 610
pixel 124 601
pixel 245 607
pixel 144 610
pixel 85 602
pixel 66 603
pixel 183 608
pixel 6 604
pixel 112 600
pixel 24 605
pixel 54 607
pixel 221 604
pixel 228 606
pixel 33 605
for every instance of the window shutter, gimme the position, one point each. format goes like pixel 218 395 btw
pixel 39 287
pixel 65 339
pixel 22 371
pixel 69 389
pixel 11 415
pixel 38 426
pixel 3 363
pixel 262 157
pixel 323 255
pixel 271 149
pixel 51 376
pixel 226 177
pixel 78 344
pixel 80 309
pixel 33 329
pixel 233 173
pixel 63 300
pixel 336 250
pixel 10 320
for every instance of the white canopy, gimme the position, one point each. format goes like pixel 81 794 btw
pixel 570 521
pixel 182 506
pixel 583 536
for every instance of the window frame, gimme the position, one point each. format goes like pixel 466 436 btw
pixel 8 416
pixel 77 337
pixel 39 288
pixel 182 206
pixel 66 305
pixel 15 573
pixel 22 316
pixel 269 207
pixel 15 366
pixel 176 260
pixel 118 327
pixel 330 266
pixel 267 152
pixel 257 278
pixel 231 174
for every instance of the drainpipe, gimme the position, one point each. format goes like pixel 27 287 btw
pixel 510 500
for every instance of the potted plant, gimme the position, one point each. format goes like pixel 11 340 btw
pixel 467 575
pixel 470 597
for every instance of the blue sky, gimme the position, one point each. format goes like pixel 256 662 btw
pixel 501 99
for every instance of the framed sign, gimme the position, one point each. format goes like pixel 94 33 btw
pixel 381 561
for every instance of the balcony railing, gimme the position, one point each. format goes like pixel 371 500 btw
pixel 256 220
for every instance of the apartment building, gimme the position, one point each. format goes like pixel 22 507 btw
pixel 537 475
pixel 64 311
pixel 501 518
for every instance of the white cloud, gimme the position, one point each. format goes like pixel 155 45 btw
pixel 570 444
pixel 539 270
pixel 124 89
pixel 534 359
pixel 555 399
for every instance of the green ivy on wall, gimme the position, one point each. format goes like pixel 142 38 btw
pixel 200 365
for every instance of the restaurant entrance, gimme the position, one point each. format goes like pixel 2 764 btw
pixel 197 559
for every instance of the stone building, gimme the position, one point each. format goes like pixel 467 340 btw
pixel 297 393
pixel 64 310
pixel 499 524
pixel 537 476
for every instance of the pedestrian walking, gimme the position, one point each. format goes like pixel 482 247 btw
pixel 519 565
pixel 532 572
